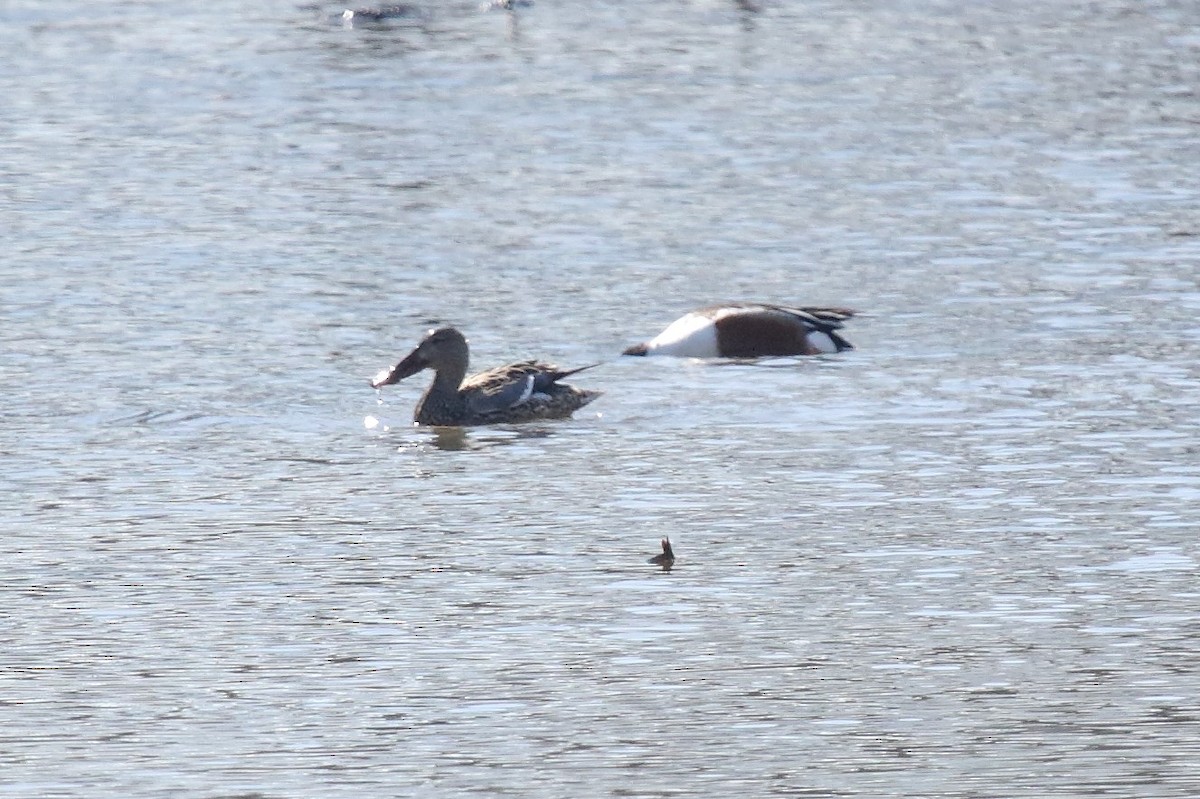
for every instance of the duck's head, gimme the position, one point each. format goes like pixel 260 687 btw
pixel 637 349
pixel 441 347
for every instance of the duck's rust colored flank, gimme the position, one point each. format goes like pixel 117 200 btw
pixel 750 330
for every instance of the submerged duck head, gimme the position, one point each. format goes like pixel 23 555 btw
pixel 441 348
pixel 750 330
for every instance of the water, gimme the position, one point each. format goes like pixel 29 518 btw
pixel 960 561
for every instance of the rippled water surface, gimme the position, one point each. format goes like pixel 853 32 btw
pixel 959 561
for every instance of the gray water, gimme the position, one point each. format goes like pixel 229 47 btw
pixel 960 561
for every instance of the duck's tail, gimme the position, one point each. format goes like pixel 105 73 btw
pixel 561 373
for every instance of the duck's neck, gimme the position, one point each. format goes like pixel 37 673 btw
pixel 442 403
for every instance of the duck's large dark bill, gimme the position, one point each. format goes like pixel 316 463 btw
pixel 408 367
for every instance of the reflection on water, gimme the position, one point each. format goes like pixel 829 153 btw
pixel 958 561
pixel 461 439
pixel 456 439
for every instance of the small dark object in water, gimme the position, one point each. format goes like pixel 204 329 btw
pixel 667 558
pixel 504 5
pixel 377 14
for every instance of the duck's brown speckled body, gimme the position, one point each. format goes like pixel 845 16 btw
pixel 517 392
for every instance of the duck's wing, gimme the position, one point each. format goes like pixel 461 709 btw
pixel 825 319
pixel 819 324
pixel 498 389
pixel 511 385
pixel 816 318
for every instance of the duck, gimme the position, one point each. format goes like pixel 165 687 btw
pixel 750 330
pixel 667 558
pixel 517 392
pixel 378 14
pixel 504 5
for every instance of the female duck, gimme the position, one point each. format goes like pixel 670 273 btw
pixel 667 558
pixel 750 330
pixel 518 392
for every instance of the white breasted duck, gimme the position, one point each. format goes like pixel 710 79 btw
pixel 750 330
pixel 518 392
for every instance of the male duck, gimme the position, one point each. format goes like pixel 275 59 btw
pixel 750 330
pixel 518 392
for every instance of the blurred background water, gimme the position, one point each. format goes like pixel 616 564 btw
pixel 959 561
